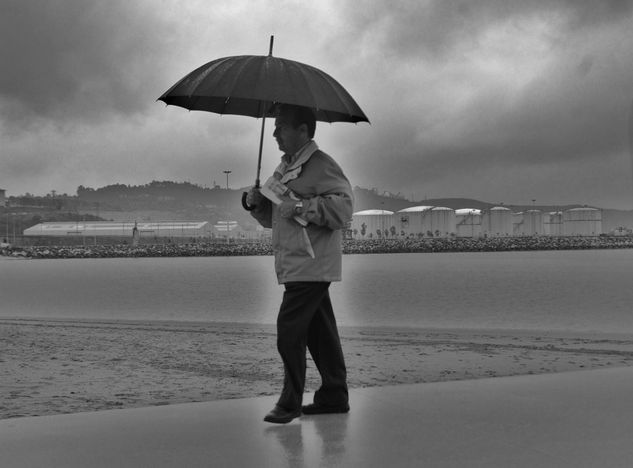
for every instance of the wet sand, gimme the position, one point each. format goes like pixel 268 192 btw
pixel 67 366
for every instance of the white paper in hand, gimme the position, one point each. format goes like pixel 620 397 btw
pixel 274 190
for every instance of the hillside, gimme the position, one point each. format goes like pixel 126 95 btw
pixel 366 199
pixel 176 201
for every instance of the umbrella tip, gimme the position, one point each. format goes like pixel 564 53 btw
pixel 270 49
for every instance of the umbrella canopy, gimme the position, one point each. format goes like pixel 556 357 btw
pixel 251 84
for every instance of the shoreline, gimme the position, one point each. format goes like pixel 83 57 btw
pixel 202 326
pixel 56 366
pixel 204 248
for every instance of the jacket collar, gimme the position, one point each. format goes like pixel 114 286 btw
pixel 290 166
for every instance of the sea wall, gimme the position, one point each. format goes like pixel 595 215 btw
pixel 376 246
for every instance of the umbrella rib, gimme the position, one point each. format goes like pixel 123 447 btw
pixel 207 70
pixel 310 89
pixel 239 67
pixel 220 66
pixel 332 86
pixel 339 93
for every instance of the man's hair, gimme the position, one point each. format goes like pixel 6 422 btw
pixel 300 115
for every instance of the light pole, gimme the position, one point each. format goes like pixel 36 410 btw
pixel 227 178
pixel 227 209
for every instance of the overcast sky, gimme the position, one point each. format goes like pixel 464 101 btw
pixel 498 100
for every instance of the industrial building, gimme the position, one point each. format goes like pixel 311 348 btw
pixel 416 221
pixel 499 221
pixel 173 229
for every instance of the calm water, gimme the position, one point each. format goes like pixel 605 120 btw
pixel 559 290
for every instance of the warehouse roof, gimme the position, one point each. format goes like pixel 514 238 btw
pixel 105 227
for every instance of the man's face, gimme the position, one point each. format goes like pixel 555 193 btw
pixel 289 139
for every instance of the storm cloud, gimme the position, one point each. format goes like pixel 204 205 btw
pixel 74 60
pixel 489 99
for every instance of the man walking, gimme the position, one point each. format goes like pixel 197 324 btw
pixel 314 203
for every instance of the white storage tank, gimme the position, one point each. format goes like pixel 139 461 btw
pixel 531 223
pixel 553 223
pixel 468 222
pixel 442 221
pixel 415 221
pixel 517 221
pixel 497 222
pixel 582 222
pixel 367 223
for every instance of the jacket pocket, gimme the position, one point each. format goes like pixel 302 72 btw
pixel 294 240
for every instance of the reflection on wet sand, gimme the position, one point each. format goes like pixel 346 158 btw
pixel 325 436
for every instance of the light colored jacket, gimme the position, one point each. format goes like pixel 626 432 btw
pixel 328 204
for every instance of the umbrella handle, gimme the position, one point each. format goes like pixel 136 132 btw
pixel 245 205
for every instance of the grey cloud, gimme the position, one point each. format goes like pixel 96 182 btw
pixel 588 13
pixel 574 115
pixel 578 108
pixel 434 30
pixel 75 60
pixel 440 120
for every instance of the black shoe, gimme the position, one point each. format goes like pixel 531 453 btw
pixel 315 408
pixel 279 415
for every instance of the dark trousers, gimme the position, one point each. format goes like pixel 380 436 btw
pixel 305 319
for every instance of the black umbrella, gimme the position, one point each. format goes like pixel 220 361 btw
pixel 251 85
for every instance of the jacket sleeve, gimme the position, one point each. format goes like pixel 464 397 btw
pixel 333 210
pixel 333 204
pixel 263 213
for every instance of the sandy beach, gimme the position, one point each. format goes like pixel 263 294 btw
pixel 66 366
